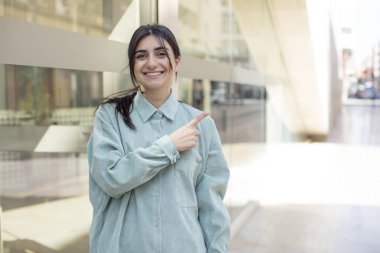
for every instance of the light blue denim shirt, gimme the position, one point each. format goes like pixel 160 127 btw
pixel 146 196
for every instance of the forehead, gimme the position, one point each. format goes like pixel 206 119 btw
pixel 151 42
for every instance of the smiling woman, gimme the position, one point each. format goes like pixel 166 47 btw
pixel 157 172
pixel 154 66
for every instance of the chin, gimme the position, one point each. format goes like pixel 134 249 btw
pixel 154 88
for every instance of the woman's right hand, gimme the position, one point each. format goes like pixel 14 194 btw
pixel 186 137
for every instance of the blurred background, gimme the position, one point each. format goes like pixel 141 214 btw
pixel 293 86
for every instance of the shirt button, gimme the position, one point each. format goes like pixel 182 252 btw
pixel 158 115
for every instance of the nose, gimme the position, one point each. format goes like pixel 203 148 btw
pixel 151 63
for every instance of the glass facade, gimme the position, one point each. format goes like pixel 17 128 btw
pixel 239 110
pixel 98 17
pixel 46 113
pixel 212 35
pixel 39 96
pixel 40 106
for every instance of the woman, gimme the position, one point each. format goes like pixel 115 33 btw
pixel 157 172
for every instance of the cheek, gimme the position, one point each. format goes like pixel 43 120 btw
pixel 165 62
pixel 138 75
pixel 137 69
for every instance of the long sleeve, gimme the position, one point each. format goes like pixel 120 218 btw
pixel 213 215
pixel 116 170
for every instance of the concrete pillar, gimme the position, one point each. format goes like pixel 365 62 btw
pixel 168 14
pixel 206 95
pixel 148 11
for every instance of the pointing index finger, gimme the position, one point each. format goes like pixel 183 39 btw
pixel 198 119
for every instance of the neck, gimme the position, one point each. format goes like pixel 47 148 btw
pixel 157 97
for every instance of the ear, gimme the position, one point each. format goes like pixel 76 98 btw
pixel 177 62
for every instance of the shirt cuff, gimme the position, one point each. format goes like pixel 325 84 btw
pixel 169 148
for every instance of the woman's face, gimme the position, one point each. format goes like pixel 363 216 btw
pixel 152 67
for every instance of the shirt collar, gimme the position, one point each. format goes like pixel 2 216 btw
pixel 146 110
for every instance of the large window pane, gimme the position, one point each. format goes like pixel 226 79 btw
pixel 212 34
pixel 46 116
pixel 97 17
pixel 45 96
pixel 239 110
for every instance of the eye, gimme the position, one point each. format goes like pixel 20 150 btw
pixel 161 54
pixel 140 56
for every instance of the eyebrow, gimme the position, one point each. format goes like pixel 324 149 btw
pixel 156 49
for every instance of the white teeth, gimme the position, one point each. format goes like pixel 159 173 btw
pixel 153 73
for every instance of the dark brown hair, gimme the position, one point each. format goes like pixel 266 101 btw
pixel 124 99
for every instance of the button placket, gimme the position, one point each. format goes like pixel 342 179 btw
pixel 157 124
pixel 157 214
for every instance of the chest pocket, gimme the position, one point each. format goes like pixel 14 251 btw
pixel 186 171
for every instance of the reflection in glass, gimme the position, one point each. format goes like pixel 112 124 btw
pixel 29 178
pixel 44 96
pixel 239 110
pixel 212 35
pixel 96 17
pixel 43 181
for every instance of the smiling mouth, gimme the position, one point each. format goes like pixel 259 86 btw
pixel 154 73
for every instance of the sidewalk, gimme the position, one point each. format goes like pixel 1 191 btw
pixel 56 226
pixel 312 198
